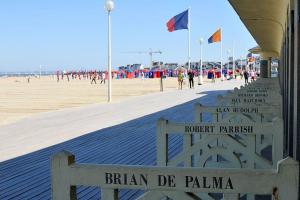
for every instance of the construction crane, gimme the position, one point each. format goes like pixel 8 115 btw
pixel 150 52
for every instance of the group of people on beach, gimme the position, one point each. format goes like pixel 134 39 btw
pixel 181 76
pixel 93 76
pixel 249 74
pixel 246 74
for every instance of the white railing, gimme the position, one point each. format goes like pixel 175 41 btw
pixel 281 183
pixel 222 113
pixel 241 114
pixel 198 151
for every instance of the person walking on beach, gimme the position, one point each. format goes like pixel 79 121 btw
pixel 213 76
pixel 142 75
pixel 191 79
pixel 235 74
pixel 103 78
pixel 79 75
pixel 246 76
pixel 180 80
pixel 67 74
pixel 57 75
pixel 94 76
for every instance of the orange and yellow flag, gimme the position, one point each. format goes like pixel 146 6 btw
pixel 216 37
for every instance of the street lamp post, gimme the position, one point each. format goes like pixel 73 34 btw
pixel 228 55
pixel 109 6
pixel 233 64
pixel 200 75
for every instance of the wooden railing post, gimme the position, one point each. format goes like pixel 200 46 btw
pixel 60 185
pixel 198 113
pixel 162 142
pixel 288 180
pixel 231 197
pixel 109 194
pixel 277 149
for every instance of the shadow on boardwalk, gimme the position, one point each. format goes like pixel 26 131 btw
pixel 132 142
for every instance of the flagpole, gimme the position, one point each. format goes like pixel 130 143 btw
pixel 221 56
pixel 189 40
pixel 233 62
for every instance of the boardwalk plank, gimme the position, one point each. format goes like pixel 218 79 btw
pixel 132 142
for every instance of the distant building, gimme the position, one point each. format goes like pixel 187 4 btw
pixel 132 67
pixel 171 66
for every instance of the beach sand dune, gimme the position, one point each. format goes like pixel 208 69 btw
pixel 20 99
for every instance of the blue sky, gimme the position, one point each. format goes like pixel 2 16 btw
pixel 72 34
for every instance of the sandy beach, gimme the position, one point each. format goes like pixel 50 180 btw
pixel 20 99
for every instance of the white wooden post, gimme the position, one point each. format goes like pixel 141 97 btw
pixel 198 113
pixel 60 184
pixel 289 171
pixel 231 197
pixel 109 194
pixel 277 152
pixel 187 144
pixel 152 196
pixel 197 137
pixel 162 142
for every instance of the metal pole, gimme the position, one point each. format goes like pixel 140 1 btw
pixel 201 73
pixel 151 60
pixel 222 60
pixel 200 80
pixel 233 63
pixel 109 58
pixel 189 26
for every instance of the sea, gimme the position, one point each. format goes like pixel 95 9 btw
pixel 25 74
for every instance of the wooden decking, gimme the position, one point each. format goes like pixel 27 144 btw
pixel 131 142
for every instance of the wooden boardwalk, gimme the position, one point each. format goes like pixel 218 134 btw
pixel 130 142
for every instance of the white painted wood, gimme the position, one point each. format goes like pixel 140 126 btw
pixel 162 142
pixel 60 184
pixel 251 152
pixel 270 128
pixel 109 194
pixel 248 109
pixel 253 92
pixel 152 195
pixel 219 128
pixel 253 113
pixel 205 196
pixel 181 195
pixel 187 143
pixel 231 197
pixel 284 178
pixel 238 111
pixel 244 101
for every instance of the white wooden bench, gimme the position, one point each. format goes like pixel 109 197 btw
pixel 238 114
pixel 205 141
pixel 174 182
